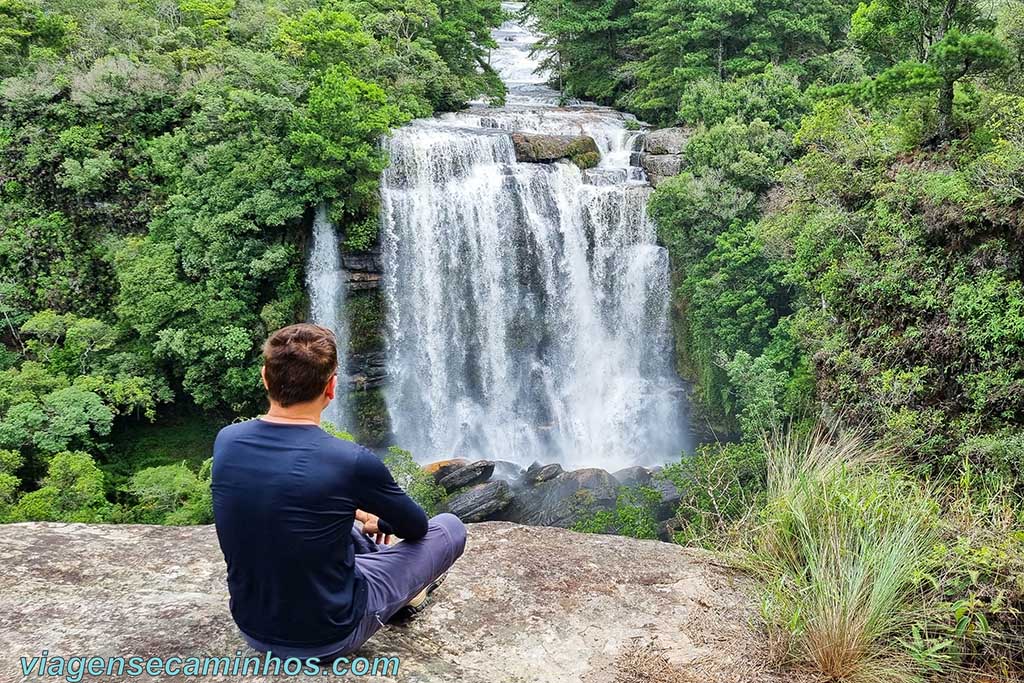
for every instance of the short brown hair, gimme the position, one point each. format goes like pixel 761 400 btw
pixel 299 361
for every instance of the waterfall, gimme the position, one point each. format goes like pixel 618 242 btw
pixel 527 303
pixel 325 283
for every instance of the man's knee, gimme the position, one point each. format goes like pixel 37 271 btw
pixel 456 531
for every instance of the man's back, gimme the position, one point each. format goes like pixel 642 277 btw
pixel 284 499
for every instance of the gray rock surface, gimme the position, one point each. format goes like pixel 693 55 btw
pixel 563 500
pixel 367 370
pixel 661 166
pixel 467 475
pixel 666 140
pixel 633 476
pixel 524 605
pixel 582 150
pixel 670 498
pixel 482 502
pixel 537 473
pixel 503 469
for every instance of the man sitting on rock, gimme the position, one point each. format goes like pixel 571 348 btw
pixel 303 581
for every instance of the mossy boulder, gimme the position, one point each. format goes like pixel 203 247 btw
pixel 539 148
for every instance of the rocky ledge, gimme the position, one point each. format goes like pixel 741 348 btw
pixel 536 147
pixel 546 495
pixel 524 604
pixel 662 155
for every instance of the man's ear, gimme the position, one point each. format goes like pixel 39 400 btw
pixel 263 374
pixel 332 387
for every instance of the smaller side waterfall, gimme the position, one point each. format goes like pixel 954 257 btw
pixel 325 283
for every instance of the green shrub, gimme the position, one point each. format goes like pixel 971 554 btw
pixel 633 515
pixel 417 482
pixel 841 547
pixel 372 421
pixel 719 485
pixel 335 431
pixel 72 491
pixel 172 494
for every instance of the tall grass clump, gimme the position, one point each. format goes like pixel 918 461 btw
pixel 842 545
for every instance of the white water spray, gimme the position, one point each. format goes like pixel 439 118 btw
pixel 325 283
pixel 527 303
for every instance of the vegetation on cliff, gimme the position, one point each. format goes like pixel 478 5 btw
pixel 846 240
pixel 157 163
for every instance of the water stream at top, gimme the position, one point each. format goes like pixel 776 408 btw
pixel 527 303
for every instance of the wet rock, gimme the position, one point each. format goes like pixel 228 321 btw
pixel 509 471
pixel 537 473
pixel 633 476
pixel 563 500
pixel 523 604
pixel 467 475
pixel 666 140
pixel 605 176
pixel 367 370
pixel 443 468
pixel 363 263
pixel 670 498
pixel 360 281
pixel 538 147
pixel 661 166
pixel 482 502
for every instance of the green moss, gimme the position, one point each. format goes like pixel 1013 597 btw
pixel 366 321
pixel 372 422
pixel 584 153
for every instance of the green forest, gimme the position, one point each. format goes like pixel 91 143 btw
pixel 157 163
pixel 846 243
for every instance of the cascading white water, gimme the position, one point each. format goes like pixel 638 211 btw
pixel 325 283
pixel 527 303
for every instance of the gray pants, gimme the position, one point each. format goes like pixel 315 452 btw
pixel 394 575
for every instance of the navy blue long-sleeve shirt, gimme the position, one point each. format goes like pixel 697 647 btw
pixel 284 501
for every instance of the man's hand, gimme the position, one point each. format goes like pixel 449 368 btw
pixel 371 528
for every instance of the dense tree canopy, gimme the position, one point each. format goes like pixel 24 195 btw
pixel 847 227
pixel 158 161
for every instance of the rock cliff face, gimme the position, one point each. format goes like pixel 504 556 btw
pixel 524 604
pixel 662 156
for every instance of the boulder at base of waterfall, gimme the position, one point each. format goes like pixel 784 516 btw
pixel 633 476
pixel 563 500
pixel 661 166
pixel 443 468
pixel 482 502
pixel 536 473
pixel 509 471
pixel 467 475
pixel 666 140
pixel 537 147
pixel 670 498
